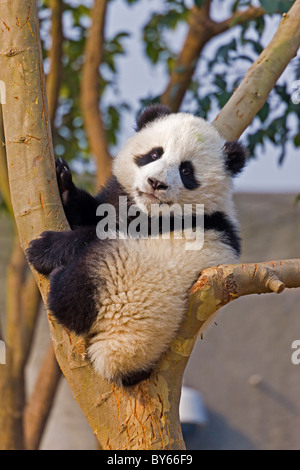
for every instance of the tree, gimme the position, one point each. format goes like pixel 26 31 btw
pixel 146 416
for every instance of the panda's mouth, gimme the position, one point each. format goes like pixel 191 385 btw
pixel 150 197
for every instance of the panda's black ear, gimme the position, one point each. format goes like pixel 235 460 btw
pixel 235 157
pixel 150 114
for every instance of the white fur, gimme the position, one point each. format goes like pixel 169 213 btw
pixel 145 299
pixel 147 281
pixel 183 137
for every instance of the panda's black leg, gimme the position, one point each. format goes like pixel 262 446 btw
pixel 79 206
pixel 54 249
pixel 136 377
pixel 71 297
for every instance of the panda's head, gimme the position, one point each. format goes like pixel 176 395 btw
pixel 177 158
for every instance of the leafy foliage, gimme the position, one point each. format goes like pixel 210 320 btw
pixel 216 77
pixel 219 74
pixel 156 45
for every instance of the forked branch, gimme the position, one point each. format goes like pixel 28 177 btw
pixel 201 29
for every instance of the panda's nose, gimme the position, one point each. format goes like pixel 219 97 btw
pixel 157 184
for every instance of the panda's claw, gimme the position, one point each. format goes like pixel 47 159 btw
pixel 64 176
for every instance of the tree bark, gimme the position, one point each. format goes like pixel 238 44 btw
pixel 145 416
pixel 4 186
pixel 90 93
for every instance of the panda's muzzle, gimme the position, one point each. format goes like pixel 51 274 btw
pixel 157 185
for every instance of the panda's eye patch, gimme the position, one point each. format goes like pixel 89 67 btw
pixel 188 179
pixel 185 170
pixel 153 155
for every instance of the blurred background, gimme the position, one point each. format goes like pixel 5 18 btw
pixel 140 52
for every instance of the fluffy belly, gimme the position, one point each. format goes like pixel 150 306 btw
pixel 143 301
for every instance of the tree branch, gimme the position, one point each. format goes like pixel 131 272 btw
pixel 222 284
pixel 199 33
pixel 238 18
pixel 55 55
pixel 41 400
pixel 261 77
pixel 201 29
pixel 90 93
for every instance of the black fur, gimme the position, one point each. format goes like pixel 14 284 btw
pixel 219 221
pixel 235 157
pixel 150 114
pixel 54 249
pixel 152 156
pixel 187 175
pixel 132 379
pixel 80 206
pixel 72 293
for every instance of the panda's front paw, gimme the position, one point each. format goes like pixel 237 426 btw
pixel 42 252
pixel 64 179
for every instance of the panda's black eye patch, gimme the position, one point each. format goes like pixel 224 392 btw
pixel 152 156
pixel 188 179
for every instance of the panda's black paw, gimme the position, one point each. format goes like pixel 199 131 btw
pixel 43 253
pixel 64 179
pixel 134 378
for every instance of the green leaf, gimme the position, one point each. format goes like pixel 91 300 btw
pixel 223 98
pixel 264 112
pixel 276 6
pixel 198 3
pixel 297 140
pixel 270 6
pixel 255 44
pixel 285 5
pixel 220 82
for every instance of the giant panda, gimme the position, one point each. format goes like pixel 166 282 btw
pixel 128 295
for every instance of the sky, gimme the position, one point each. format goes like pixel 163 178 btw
pixel 140 78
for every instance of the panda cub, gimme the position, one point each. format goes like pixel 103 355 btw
pixel 127 295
